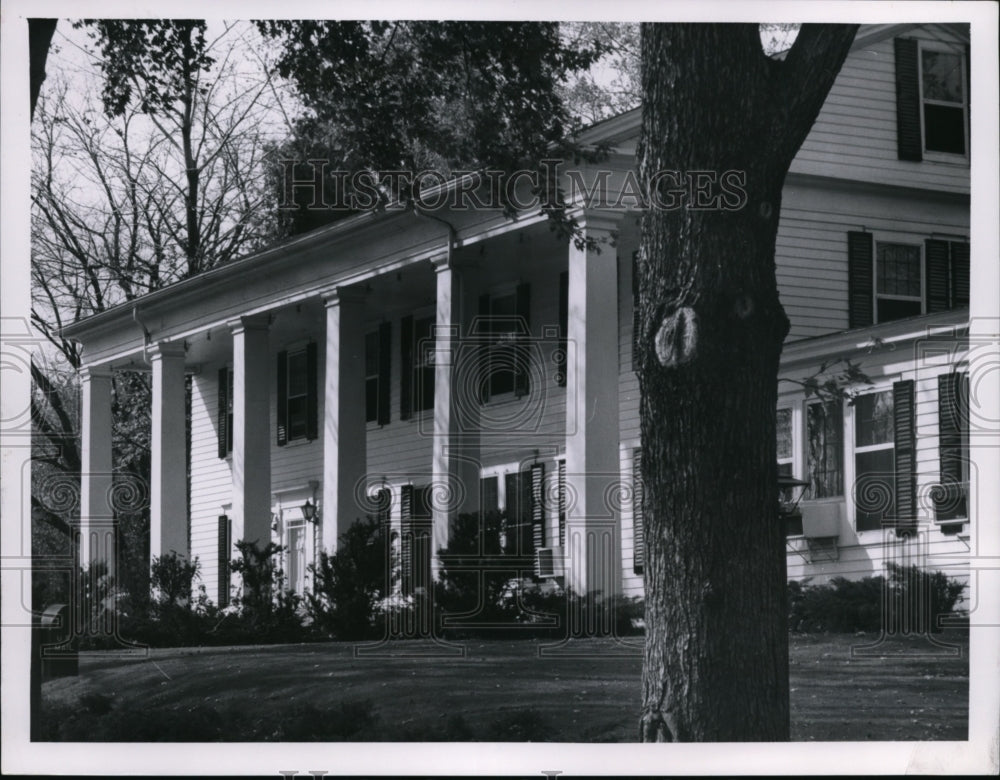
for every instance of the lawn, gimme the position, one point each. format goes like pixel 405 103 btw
pixel 489 690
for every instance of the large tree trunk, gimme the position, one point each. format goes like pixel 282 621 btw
pixel 711 331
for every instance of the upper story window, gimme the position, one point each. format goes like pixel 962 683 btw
pixel 889 280
pixel 507 329
pixel 377 368
pixel 417 375
pixel 932 100
pixel 297 395
pixel 942 93
pixel 874 459
pixel 225 412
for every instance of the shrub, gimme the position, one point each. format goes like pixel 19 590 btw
pixel 172 577
pixel 911 599
pixel 267 610
pixel 349 585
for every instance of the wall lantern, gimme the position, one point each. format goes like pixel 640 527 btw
pixel 309 511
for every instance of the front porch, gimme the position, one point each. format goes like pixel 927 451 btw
pixel 388 375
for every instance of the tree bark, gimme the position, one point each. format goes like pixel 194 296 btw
pixel 711 331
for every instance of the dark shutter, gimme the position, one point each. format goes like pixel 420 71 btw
pixel 225 544
pixel 562 503
pixel 282 398
pixel 950 427
pixel 638 528
pixel 968 92
pixel 562 364
pixel 223 432
pixel 635 312
pixel 406 368
pixel 384 371
pixel 860 279
pixel 406 542
pixel 959 273
pixel 938 297
pixel 909 144
pixel 538 505
pixel 312 392
pixel 522 309
pixel 905 481
pixel 486 335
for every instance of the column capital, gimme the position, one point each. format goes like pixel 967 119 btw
pixel 88 373
pixel 250 322
pixel 596 219
pixel 162 349
pixel 442 263
pixel 334 296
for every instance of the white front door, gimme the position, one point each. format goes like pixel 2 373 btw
pixel 296 556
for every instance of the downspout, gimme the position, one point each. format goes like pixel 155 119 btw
pixel 452 233
pixel 147 338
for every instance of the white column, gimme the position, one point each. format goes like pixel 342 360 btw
pixel 168 483
pixel 454 461
pixel 251 464
pixel 592 408
pixel 345 456
pixel 97 527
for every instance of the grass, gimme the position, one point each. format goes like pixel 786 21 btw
pixel 587 691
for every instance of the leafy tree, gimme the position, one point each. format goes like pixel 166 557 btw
pixel 716 657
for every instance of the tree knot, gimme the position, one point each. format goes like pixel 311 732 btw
pixel 677 338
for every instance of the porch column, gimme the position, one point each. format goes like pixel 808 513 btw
pixel 168 484
pixel 592 408
pixel 251 465
pixel 455 448
pixel 345 453
pixel 97 522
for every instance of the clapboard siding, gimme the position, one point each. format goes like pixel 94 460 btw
pixel 854 136
pixel 211 481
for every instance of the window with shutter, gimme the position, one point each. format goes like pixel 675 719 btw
pixel 874 460
pixel 298 400
pixel 538 505
pixel 506 358
pixel 932 106
pixel 638 524
pixel 825 449
pixel 951 496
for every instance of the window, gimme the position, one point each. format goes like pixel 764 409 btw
pixel 520 497
pixel 417 356
pixel 505 361
pixel 377 367
pixel 889 280
pixel 942 93
pixel 295 554
pixel 825 431
pixel 784 427
pixel 932 105
pixel 874 460
pixel 297 395
pixel 225 412
pixel 898 281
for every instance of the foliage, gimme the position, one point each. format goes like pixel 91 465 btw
pixel 266 607
pixel 909 599
pixel 172 576
pixel 348 585
pixel 835 380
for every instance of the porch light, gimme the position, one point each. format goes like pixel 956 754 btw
pixel 309 511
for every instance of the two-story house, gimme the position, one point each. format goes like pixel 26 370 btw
pixel 415 365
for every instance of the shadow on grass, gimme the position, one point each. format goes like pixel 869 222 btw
pixel 99 718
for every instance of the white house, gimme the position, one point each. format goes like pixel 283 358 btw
pixel 416 365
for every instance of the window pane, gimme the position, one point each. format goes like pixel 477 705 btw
pixel 942 73
pixel 785 434
pixel 296 417
pixel 944 129
pixel 889 309
pixel 873 419
pixel 297 380
pixel 899 270
pixel 873 490
pixel 826 449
